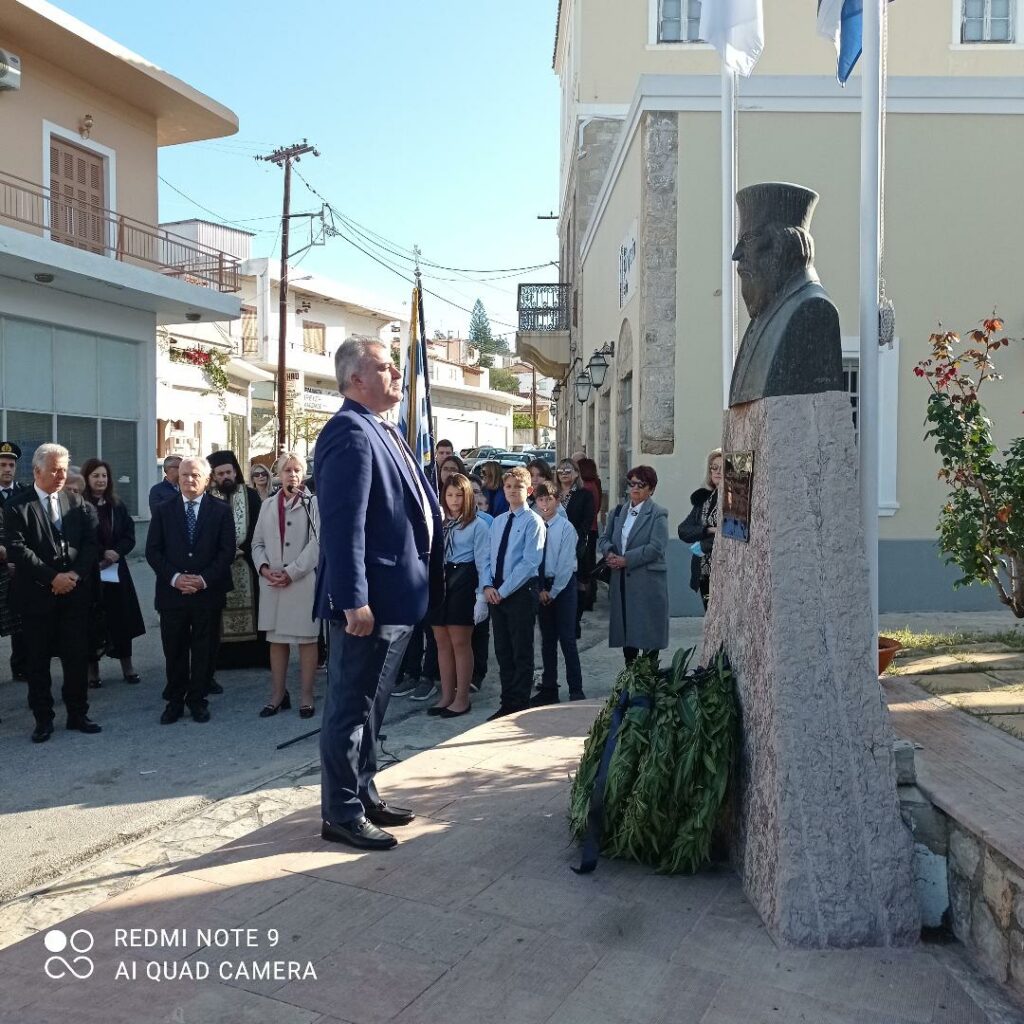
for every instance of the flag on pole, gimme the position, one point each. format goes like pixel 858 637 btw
pixel 735 28
pixel 414 412
pixel 842 21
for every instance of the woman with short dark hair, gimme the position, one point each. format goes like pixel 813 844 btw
pixel 633 547
pixel 122 617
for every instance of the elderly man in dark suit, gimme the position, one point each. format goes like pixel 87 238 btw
pixel 381 562
pixel 190 546
pixel 51 539
pixel 168 487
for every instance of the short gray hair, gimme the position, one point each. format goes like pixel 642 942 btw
pixel 200 462
pixel 350 356
pixel 170 459
pixel 284 458
pixel 45 451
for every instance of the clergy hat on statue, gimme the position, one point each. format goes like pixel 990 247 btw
pixel 774 202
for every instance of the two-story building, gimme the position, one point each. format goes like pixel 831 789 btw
pixel 641 241
pixel 239 410
pixel 86 275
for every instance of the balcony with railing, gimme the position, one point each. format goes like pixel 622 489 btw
pixel 81 224
pixel 545 315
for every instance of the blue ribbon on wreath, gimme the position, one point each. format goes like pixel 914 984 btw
pixel 595 816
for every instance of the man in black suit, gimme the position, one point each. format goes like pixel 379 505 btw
pixel 51 539
pixel 190 547
pixel 168 487
pixel 9 622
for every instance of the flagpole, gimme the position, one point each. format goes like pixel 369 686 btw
pixel 728 228
pixel 870 223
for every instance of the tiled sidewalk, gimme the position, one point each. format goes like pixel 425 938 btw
pixel 474 918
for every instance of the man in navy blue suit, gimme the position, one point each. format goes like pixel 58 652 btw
pixel 190 547
pixel 381 567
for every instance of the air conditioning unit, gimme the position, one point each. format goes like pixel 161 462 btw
pixel 10 70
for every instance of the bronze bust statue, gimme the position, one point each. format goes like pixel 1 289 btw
pixel 792 345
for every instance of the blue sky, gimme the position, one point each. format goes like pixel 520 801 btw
pixel 437 124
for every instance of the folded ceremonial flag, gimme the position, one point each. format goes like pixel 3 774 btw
pixel 735 28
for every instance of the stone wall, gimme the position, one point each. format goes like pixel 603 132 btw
pixel 986 906
pixel 659 213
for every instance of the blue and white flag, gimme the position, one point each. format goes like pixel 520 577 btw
pixel 414 413
pixel 842 21
pixel 735 28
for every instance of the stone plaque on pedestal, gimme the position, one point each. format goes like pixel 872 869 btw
pixel 819 842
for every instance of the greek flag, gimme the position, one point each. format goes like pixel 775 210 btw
pixel 735 28
pixel 842 21
pixel 414 414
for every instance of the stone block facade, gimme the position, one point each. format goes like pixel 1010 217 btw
pixel 986 907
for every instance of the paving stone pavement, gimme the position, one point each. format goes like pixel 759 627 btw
pixel 475 917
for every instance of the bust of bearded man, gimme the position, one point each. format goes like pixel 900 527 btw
pixel 792 345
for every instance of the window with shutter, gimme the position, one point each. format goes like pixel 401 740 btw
pixel 77 199
pixel 314 337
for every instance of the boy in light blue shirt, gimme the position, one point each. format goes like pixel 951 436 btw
pixel 558 596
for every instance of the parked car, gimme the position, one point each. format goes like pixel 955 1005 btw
pixel 484 452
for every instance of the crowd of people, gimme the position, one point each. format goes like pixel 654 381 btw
pixel 237 568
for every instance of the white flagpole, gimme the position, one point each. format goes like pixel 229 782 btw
pixel 728 228
pixel 870 221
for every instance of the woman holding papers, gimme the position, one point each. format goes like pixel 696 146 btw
pixel 122 617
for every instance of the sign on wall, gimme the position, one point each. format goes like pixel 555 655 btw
pixel 627 266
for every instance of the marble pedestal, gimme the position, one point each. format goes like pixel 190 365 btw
pixel 819 842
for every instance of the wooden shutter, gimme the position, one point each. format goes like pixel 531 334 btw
pixel 314 337
pixel 250 335
pixel 77 198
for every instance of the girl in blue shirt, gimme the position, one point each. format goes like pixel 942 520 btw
pixel 467 548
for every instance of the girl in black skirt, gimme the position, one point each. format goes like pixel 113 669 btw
pixel 467 549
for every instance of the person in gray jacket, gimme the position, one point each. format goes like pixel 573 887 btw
pixel 633 547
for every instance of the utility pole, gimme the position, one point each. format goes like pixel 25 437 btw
pixel 536 429
pixel 284 157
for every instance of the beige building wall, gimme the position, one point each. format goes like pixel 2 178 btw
pixel 51 94
pixel 612 46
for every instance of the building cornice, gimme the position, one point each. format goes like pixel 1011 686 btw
pixel 801 94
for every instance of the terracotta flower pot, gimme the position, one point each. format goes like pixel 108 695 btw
pixel 887 648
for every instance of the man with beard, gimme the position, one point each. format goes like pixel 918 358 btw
pixel 9 623
pixel 792 345
pixel 241 645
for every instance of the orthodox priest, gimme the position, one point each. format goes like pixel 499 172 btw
pixel 241 646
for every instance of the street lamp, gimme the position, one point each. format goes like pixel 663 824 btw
pixel 556 392
pixel 598 364
pixel 583 387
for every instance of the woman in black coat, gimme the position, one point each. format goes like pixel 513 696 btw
pixel 701 525
pixel 122 617
pixel 578 503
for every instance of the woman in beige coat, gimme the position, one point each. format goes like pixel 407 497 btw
pixel 285 551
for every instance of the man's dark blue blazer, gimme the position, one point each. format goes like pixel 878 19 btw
pixel 374 544
pixel 210 554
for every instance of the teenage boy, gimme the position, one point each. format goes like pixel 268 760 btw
pixel 558 595
pixel 517 545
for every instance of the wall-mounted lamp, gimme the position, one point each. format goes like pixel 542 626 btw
pixel 193 317
pixel 556 392
pixel 85 126
pixel 583 386
pixel 44 278
pixel 598 364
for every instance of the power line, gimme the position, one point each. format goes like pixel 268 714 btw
pixel 206 209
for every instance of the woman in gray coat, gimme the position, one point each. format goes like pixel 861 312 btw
pixel 633 546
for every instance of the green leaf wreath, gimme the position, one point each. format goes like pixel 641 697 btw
pixel 668 777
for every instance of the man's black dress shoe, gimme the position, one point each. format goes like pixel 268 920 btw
pixel 543 697
pixel 83 724
pixel 386 816
pixel 171 714
pixel 214 687
pixel 199 714
pixel 42 732
pixel 360 833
